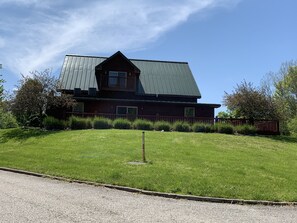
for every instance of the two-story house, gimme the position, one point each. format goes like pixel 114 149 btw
pixel 118 86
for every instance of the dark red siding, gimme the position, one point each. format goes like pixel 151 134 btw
pixel 152 109
pixel 117 63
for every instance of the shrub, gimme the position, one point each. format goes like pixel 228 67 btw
pixel 284 128
pixel 89 123
pixel 224 128
pixel 67 124
pixel 102 123
pixel 202 127
pixel 199 127
pixel 143 124
pixel 51 123
pixel 215 127
pixel 162 125
pixel 246 129
pixel 208 128
pixel 80 123
pixel 7 120
pixel 292 125
pixel 181 126
pixel 121 123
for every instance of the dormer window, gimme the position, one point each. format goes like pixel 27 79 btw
pixel 117 79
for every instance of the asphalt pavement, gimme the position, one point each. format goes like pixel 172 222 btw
pixel 26 198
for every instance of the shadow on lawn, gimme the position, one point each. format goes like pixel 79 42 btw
pixel 23 134
pixel 282 138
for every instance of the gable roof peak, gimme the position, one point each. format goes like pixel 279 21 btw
pixel 118 53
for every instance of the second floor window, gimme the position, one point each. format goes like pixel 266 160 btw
pixel 117 79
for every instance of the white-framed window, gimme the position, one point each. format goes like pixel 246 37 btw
pixel 117 79
pixel 189 112
pixel 79 107
pixel 127 110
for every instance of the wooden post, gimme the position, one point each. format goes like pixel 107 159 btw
pixel 143 148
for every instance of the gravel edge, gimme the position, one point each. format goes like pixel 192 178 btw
pixel 159 194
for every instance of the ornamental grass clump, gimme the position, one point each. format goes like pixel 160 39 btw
pixel 102 123
pixel 180 126
pixel 80 123
pixel 198 127
pixel 225 128
pixel 246 129
pixel 208 128
pixel 143 124
pixel 162 126
pixel 202 127
pixel 89 123
pixel 51 123
pixel 121 123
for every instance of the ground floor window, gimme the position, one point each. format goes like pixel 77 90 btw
pixel 79 107
pixel 127 110
pixel 189 112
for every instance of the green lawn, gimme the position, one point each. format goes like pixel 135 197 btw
pixel 262 168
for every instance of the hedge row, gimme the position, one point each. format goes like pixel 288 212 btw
pixel 51 123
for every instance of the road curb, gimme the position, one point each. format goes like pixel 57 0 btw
pixel 159 194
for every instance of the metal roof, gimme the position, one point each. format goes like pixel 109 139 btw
pixel 156 77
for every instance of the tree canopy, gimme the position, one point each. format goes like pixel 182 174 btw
pixel 247 101
pixel 286 92
pixel 7 120
pixel 36 95
pixel 275 99
pixel 1 88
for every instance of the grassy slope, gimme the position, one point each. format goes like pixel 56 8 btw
pixel 188 163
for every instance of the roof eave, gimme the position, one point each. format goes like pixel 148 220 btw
pixel 148 101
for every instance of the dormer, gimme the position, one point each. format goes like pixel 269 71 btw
pixel 117 73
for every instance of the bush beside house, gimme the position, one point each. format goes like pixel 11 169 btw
pixel 180 126
pixel 224 128
pixel 121 123
pixel 162 126
pixel 143 124
pixel 80 123
pixel 102 123
pixel 51 123
pixel 246 129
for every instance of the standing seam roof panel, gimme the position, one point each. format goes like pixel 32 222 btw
pixel 63 78
pixel 156 77
pixel 89 73
pixel 80 74
pixel 73 76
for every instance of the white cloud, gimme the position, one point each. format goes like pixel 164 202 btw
pixel 39 38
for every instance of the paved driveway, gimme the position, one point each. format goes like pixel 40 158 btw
pixel 33 199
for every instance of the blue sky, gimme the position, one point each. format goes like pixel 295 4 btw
pixel 224 41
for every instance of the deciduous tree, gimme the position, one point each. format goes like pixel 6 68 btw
pixel 36 95
pixel 285 84
pixel 247 101
pixel 1 88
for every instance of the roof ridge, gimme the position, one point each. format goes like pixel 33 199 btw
pixel 161 61
pixel 76 55
pixel 145 60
